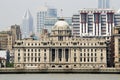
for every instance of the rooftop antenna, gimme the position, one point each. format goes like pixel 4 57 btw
pixel 62 13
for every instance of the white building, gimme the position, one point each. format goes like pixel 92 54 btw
pixel 95 22
pixel 27 24
pixel 60 50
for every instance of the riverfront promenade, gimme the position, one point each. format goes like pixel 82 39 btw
pixel 81 70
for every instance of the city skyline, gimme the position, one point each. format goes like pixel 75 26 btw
pixel 12 11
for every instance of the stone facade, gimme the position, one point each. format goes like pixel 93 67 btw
pixel 5 40
pixel 116 35
pixel 60 50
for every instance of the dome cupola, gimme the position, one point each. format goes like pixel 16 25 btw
pixel 61 25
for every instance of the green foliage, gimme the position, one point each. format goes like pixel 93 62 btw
pixel 9 64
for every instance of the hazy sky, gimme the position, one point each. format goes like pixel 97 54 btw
pixel 11 11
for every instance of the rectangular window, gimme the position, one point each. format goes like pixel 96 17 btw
pixel 95 59
pixel 60 54
pixel 28 59
pixel 31 50
pixel 18 59
pixel 84 59
pixel 74 50
pixel 80 54
pixel 80 50
pixel 66 54
pixel 91 50
pixel 88 50
pixel 35 50
pixel 35 54
pixel 91 59
pixel 84 50
pixel 84 54
pixel 88 54
pixel 31 59
pixel 18 50
pixel 45 54
pixel 18 54
pixel 44 50
pixel 31 54
pixel 53 55
pixel 95 50
pixel 45 59
pixel 28 54
pixel 24 59
pixel 80 59
pixel 39 59
pixel 35 59
pixel 91 54
pixel 95 54
pixel 39 50
pixel 101 54
pixel 38 54
pixel 88 59
pixel 74 59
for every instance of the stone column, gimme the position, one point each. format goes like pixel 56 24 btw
pixel 56 55
pixel 63 55
pixel 50 55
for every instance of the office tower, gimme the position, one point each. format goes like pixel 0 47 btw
pixel 42 13
pixel 103 4
pixel 27 24
pixel 95 22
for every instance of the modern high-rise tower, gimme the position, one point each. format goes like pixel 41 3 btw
pixel 95 22
pixel 27 24
pixel 103 4
pixel 42 13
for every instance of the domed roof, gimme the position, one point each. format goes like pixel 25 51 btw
pixel 61 25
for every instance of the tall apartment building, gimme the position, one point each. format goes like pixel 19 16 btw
pixel 41 14
pixel 103 4
pixel 95 22
pixel 27 24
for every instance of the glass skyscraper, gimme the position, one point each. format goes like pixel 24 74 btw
pixel 42 13
pixel 103 4
pixel 27 24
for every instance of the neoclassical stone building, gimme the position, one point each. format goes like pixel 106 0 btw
pixel 60 50
pixel 116 38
